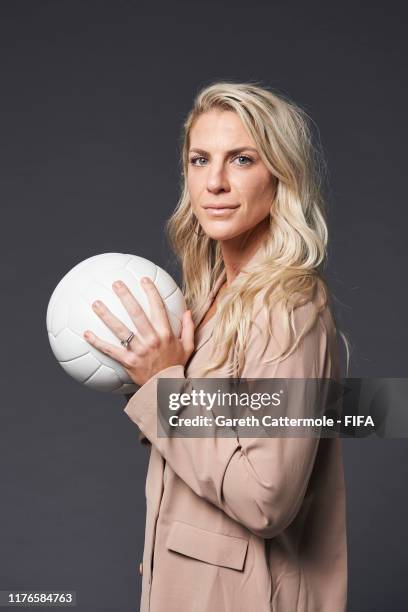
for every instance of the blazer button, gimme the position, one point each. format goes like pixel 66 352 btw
pixel 141 569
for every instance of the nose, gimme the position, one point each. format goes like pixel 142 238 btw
pixel 217 178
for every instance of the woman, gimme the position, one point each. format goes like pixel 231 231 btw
pixel 250 524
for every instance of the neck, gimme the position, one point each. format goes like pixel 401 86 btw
pixel 237 251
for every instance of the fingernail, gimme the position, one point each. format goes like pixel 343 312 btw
pixel 118 284
pixel 145 280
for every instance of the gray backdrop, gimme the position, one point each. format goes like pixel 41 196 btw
pixel 93 97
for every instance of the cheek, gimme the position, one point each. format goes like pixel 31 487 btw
pixel 190 183
pixel 194 186
pixel 194 191
pixel 256 194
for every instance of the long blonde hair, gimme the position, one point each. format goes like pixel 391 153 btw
pixel 296 247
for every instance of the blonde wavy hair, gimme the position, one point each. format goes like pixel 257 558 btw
pixel 296 248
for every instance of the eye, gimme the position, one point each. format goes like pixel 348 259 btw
pixel 194 159
pixel 247 160
pixel 244 157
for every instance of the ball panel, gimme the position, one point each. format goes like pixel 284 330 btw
pixel 164 283
pixel 67 345
pixel 176 303
pixel 57 318
pixel 81 368
pixel 139 266
pixel 65 281
pixel 104 379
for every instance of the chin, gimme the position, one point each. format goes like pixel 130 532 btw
pixel 221 231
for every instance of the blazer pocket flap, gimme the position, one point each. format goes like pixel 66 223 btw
pixel 209 546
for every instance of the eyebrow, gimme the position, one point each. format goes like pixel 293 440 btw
pixel 231 152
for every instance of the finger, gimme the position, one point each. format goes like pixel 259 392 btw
pixel 158 310
pixel 187 332
pixel 136 312
pixel 111 321
pixel 109 349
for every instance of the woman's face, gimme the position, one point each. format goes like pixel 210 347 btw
pixel 225 170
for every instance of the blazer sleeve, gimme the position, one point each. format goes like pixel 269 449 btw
pixel 259 482
pixel 142 438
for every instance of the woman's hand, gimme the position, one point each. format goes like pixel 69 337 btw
pixel 154 347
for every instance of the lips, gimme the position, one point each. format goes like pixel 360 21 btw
pixel 220 206
pixel 220 211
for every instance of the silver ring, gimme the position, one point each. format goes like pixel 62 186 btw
pixel 125 343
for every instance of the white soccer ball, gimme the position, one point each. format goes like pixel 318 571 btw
pixel 70 313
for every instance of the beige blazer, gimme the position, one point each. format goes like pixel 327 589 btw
pixel 250 524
